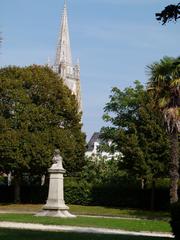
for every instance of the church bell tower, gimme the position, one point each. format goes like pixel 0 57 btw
pixel 63 63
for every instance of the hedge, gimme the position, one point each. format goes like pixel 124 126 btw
pixel 121 194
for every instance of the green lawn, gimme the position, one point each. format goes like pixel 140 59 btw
pixel 91 210
pixel 108 211
pixel 125 224
pixel 8 234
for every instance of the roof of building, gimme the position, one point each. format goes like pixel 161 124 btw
pixel 95 138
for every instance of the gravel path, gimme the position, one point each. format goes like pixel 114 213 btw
pixel 41 227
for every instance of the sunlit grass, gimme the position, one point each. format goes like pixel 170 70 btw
pixel 90 210
pixel 111 223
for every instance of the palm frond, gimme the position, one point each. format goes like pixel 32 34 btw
pixel 175 82
pixel 172 118
pixel 163 102
pixel 164 83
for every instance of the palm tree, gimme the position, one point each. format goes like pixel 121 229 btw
pixel 164 82
pixel 170 13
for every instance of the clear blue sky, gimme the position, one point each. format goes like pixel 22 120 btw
pixel 114 39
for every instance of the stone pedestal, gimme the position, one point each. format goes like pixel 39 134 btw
pixel 55 205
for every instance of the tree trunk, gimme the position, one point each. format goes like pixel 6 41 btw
pixel 174 167
pixel 153 194
pixel 17 189
pixel 9 178
pixel 142 183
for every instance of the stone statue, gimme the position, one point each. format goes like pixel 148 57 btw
pixel 57 160
pixel 55 205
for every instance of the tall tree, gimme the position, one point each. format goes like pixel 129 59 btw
pixel 164 83
pixel 38 114
pixel 136 131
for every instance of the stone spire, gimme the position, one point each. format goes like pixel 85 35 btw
pixel 63 53
pixel 63 63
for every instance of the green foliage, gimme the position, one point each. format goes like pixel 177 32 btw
pixel 77 191
pixel 136 131
pixel 164 86
pixel 37 114
pixel 122 193
pixel 164 80
pixel 98 170
pixel 96 174
pixel 175 219
pixel 170 13
pixel 2 180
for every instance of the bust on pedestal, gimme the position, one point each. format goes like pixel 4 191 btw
pixel 55 205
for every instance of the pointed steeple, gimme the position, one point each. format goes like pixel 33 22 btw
pixel 63 63
pixel 63 53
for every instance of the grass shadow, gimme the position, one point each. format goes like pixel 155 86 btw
pixel 11 234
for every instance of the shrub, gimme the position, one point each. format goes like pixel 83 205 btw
pixel 77 191
pixel 122 193
pixel 34 194
pixel 6 193
pixel 175 219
